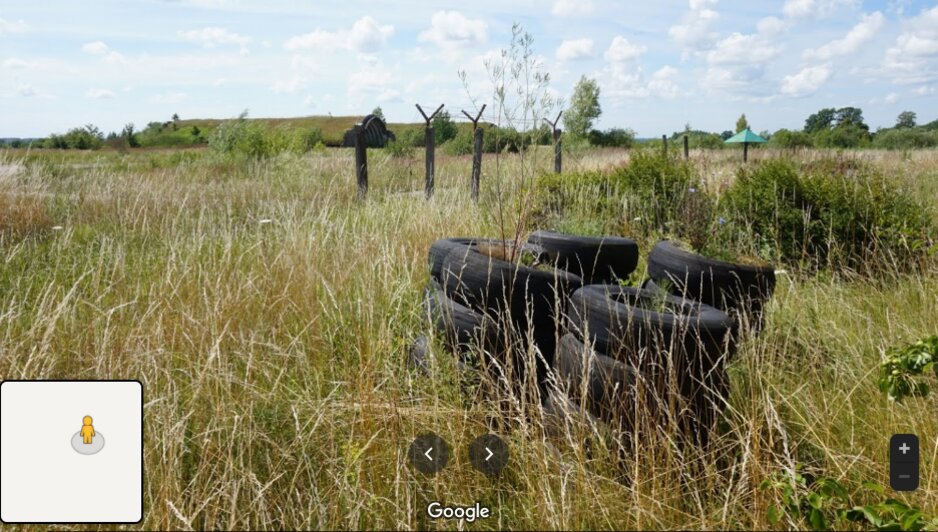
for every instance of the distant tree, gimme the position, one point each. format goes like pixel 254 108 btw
pixel 819 121
pixel 443 127
pixel 850 115
pixel 784 138
pixel 196 132
pixel 379 113
pixel 906 119
pixel 129 136
pixel 584 108
pixel 742 123
pixel 726 134
pixel 175 120
pixel 16 143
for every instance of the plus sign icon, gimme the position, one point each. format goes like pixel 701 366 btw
pixel 904 462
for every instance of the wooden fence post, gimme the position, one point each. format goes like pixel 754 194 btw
pixel 664 141
pixel 686 150
pixel 745 152
pixel 361 161
pixel 430 160
pixel 558 150
pixel 476 153
pixel 431 147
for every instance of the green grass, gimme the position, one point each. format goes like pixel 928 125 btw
pixel 273 354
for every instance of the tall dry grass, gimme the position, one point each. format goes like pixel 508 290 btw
pixel 269 314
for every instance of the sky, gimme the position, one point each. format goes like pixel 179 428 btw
pixel 660 65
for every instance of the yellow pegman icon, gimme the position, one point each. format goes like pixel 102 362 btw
pixel 87 431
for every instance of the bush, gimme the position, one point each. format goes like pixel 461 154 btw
pixel 830 214
pixel 905 139
pixel 784 138
pixel 612 138
pixel 399 148
pixel 253 140
pixel 655 185
pixel 308 140
pixel 843 136
pixel 461 144
pixel 444 128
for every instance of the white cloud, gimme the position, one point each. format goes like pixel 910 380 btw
pixel 12 26
pixel 571 50
pixel 770 26
pixel 99 93
pixel 622 50
pixel 26 90
pixel 662 83
pixel 368 36
pixel 924 90
pixel 572 8
pixel 14 62
pixel 807 81
pixel 739 49
pixel 365 36
pixel 798 9
pixel 212 36
pixel 694 32
pixel 95 48
pixel 317 39
pixel 373 82
pixel 289 86
pixel 621 82
pixel 859 35
pixel 891 98
pixel 169 97
pixel 914 57
pixel 452 29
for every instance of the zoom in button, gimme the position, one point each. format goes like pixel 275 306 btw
pixel 903 462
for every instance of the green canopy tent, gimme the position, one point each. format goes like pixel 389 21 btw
pixel 746 137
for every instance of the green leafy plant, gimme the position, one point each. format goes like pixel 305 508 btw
pixel 901 366
pixel 825 504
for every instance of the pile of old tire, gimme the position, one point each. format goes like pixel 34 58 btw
pixel 634 354
pixel 478 297
pixel 738 289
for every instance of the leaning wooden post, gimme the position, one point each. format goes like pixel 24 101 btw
pixel 361 161
pixel 476 153
pixel 686 150
pixel 428 132
pixel 558 149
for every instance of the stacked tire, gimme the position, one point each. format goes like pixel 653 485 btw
pixel 626 355
pixel 738 289
pixel 653 356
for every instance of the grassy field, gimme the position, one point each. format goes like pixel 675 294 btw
pixel 268 314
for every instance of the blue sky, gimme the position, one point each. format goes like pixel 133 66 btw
pixel 659 64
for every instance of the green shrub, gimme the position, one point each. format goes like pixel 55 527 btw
pixel 654 185
pixel 831 213
pixel 444 128
pixel 461 144
pixel 905 139
pixel 399 149
pixel 308 140
pixel 253 139
pixel 612 138
pixel 784 138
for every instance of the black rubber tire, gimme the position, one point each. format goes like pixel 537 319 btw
pixel 594 259
pixel 460 326
pixel 724 285
pixel 534 299
pixel 610 385
pixel 440 248
pixel 682 353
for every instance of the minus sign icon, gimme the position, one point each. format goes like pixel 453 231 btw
pixel 905 476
